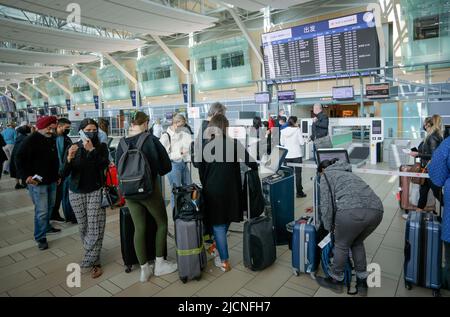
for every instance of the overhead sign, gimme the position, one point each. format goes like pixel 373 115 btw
pixel 96 102
pixel 68 104
pixel 76 115
pixel 194 112
pixel 133 97
pixel 343 93
pixel 374 91
pixel 185 92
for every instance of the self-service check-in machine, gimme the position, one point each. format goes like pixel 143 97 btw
pixel 342 133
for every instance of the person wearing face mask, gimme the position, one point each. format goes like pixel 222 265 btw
pixel 63 142
pixel 433 127
pixel 37 161
pixel 85 162
pixel 177 141
pixel 22 132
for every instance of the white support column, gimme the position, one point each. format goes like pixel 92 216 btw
pixel 20 93
pixel 126 74
pixel 37 89
pixel 57 83
pixel 243 29
pixel 12 99
pixel 180 65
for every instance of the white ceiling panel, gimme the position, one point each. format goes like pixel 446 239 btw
pixel 134 16
pixel 16 76
pixel 256 5
pixel 28 69
pixel 10 55
pixel 40 36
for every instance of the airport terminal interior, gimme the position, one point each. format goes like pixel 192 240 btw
pixel 378 68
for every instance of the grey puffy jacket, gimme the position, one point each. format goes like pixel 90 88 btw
pixel 349 190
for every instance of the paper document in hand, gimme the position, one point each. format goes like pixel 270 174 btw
pixel 406 151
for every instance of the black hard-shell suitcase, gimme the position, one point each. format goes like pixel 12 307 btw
pixel 127 238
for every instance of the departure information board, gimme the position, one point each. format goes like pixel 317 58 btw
pixel 341 44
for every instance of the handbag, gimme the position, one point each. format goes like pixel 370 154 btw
pixel 110 194
pixel 417 168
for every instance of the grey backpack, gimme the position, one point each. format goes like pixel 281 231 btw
pixel 135 177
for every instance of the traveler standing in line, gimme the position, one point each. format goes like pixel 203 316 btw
pixel 177 142
pixel 268 137
pixel 439 171
pixel 103 128
pixel 3 157
pixel 153 206
pixel 282 122
pixel 257 140
pixel 222 189
pixel 358 212
pixel 37 156
pixel 9 135
pixel 63 142
pixel 157 128
pixel 214 109
pixel 291 138
pixel 320 123
pixel 434 137
pixel 85 163
pixel 22 132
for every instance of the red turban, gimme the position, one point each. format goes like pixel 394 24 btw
pixel 45 121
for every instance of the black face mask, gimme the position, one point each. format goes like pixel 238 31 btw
pixel 66 132
pixel 93 136
pixel 424 128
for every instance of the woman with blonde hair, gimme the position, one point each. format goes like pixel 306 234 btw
pixel 434 136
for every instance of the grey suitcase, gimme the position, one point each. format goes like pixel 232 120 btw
pixel 191 254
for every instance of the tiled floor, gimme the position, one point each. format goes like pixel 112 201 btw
pixel 26 271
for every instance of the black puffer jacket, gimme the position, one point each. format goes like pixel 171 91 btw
pixel 428 146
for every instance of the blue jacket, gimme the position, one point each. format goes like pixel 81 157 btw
pixel 439 171
pixel 9 134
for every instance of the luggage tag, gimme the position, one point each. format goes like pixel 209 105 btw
pixel 325 241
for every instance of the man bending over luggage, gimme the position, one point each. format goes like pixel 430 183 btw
pixel 358 210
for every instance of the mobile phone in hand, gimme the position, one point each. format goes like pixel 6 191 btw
pixel 37 178
pixel 83 136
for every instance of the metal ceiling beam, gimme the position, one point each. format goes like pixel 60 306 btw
pixel 12 99
pixel 57 83
pixel 120 68
pixel 86 78
pixel 20 93
pixel 172 56
pixel 37 89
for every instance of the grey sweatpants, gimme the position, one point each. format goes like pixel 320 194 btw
pixel 353 226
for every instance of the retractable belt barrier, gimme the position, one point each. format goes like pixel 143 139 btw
pixel 367 171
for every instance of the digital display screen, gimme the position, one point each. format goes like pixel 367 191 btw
pixel 374 91
pixel 376 127
pixel 169 116
pixel 262 97
pixel 304 126
pixel 286 96
pixel 340 154
pixel 341 44
pixel 343 93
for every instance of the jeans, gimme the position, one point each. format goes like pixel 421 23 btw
pixel 298 174
pixel 178 176
pixel 353 226
pixel 43 197
pixel 220 236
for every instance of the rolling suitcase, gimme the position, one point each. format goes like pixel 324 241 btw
pixel 189 232
pixel 127 239
pixel 405 192
pixel 304 247
pixel 423 251
pixel 259 240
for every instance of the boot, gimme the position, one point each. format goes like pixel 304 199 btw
pixel 361 287
pixel 330 283
pixel 163 267
pixel 146 272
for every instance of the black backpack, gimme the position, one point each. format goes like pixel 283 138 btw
pixel 135 176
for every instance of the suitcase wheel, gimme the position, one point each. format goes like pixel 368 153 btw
pixel 408 286
pixel 296 272
pixel 436 293
pixel 184 279
pixel 128 268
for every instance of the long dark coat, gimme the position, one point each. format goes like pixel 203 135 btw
pixel 222 187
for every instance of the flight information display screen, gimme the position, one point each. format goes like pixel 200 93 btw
pixel 341 44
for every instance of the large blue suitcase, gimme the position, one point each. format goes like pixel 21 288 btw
pixel 423 251
pixel 304 247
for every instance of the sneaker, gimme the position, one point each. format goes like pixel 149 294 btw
pixel 96 271
pixel 331 284
pixel 405 216
pixel 301 195
pixel 223 265
pixel 146 272
pixel 212 250
pixel 58 218
pixel 361 287
pixel 42 244
pixel 53 230
pixel 163 267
